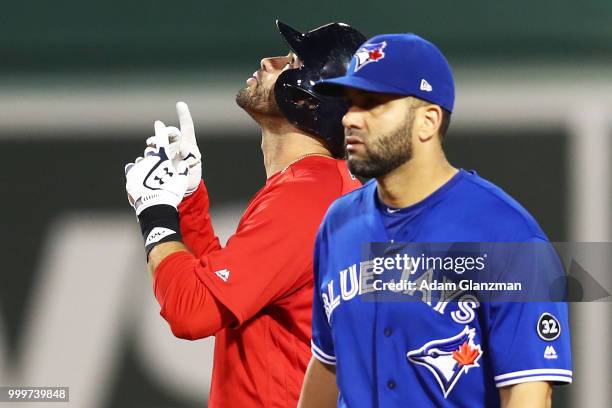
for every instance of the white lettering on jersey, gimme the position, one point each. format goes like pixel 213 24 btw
pixel 363 283
pixel 445 297
pixel 467 303
pixel 426 277
pixel 366 277
pixel 352 272
pixel 330 301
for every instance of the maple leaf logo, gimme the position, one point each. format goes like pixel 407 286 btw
pixel 466 355
pixel 375 55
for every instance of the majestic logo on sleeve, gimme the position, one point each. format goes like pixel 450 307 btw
pixel 224 274
pixel 550 353
pixel 369 53
pixel 448 359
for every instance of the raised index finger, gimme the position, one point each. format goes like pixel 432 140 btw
pixel 186 123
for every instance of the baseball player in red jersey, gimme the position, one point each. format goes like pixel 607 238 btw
pixel 255 294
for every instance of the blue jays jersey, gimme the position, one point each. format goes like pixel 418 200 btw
pixel 430 352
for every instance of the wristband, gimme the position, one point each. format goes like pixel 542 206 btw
pixel 159 223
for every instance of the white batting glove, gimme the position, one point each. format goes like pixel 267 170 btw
pixel 154 179
pixel 183 147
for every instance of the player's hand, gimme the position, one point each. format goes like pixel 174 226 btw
pixel 183 147
pixel 153 179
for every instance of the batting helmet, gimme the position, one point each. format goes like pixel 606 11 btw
pixel 325 53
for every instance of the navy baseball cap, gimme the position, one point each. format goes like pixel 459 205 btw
pixel 402 64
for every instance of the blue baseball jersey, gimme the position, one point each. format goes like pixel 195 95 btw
pixel 430 352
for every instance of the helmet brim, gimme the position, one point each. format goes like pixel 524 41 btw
pixel 293 38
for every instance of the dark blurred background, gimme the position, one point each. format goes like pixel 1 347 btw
pixel 81 83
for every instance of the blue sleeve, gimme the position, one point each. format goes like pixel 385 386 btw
pixel 322 344
pixel 529 340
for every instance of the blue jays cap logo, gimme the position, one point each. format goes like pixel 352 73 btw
pixel 369 53
pixel 448 359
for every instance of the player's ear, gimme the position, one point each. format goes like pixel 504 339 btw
pixel 429 121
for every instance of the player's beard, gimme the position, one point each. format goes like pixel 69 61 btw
pixel 258 100
pixel 386 154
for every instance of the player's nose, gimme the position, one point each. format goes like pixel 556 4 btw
pixel 266 64
pixel 353 119
pixel 271 64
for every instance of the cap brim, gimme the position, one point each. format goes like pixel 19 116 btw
pixel 336 86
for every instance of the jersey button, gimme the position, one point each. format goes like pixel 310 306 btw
pixel 388 331
pixel 391 384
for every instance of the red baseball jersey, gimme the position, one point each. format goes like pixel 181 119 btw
pixel 264 277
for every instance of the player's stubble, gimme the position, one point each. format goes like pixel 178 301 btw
pixel 258 100
pixel 386 153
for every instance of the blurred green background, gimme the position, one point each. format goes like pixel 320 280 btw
pixel 81 83
pixel 71 35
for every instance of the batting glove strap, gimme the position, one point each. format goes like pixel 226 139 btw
pixel 158 224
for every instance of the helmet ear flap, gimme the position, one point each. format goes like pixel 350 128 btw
pixel 297 104
pixel 302 99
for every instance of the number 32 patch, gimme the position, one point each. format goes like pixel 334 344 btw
pixel 548 328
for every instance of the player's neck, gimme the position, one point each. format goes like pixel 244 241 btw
pixel 414 180
pixel 284 145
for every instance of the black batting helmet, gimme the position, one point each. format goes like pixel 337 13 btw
pixel 325 53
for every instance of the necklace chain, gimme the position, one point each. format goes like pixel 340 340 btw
pixel 303 157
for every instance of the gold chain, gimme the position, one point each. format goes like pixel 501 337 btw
pixel 303 157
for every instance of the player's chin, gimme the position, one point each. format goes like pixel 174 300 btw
pixel 358 166
pixel 244 97
pixel 358 159
pixel 356 150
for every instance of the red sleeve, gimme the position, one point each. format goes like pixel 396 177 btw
pixel 186 304
pixel 196 226
pixel 269 257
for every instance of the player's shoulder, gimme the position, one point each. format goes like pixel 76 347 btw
pixel 351 203
pixel 310 180
pixel 308 170
pixel 495 205
pixel 345 213
pixel 321 169
pixel 321 173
